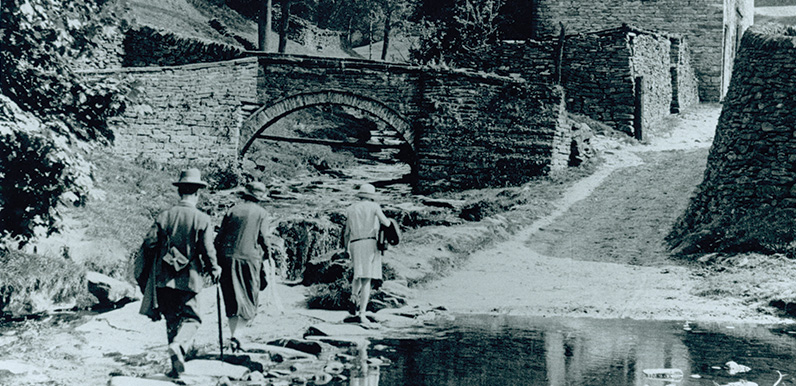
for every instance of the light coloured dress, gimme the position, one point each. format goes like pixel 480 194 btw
pixel 241 248
pixel 361 229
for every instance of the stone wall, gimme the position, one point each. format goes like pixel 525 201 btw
pixel 599 71
pixel 598 78
pixel 702 22
pixel 189 113
pixel 748 196
pixel 308 35
pixel 493 135
pixel 468 129
pixel 685 89
pixel 650 63
pixel 144 46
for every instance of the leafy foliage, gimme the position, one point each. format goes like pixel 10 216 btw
pixel 36 41
pixel 458 32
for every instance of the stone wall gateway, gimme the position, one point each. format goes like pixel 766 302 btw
pixel 188 114
pixel 747 199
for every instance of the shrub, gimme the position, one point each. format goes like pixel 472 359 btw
pixel 223 173
pixel 31 283
pixel 35 172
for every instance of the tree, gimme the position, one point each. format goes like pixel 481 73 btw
pixel 457 33
pixel 264 25
pixel 284 23
pixel 395 14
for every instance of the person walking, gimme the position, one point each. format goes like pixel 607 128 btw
pixel 363 219
pixel 242 249
pixel 178 250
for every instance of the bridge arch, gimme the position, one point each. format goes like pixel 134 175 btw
pixel 269 114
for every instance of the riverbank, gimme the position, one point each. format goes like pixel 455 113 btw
pixel 598 252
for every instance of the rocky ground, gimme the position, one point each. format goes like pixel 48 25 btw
pixel 599 253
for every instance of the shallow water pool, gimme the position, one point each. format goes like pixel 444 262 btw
pixel 507 350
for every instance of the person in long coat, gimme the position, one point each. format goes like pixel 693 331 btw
pixel 179 250
pixel 241 245
pixel 363 219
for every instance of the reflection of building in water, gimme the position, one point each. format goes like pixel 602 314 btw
pixel 364 373
pixel 610 354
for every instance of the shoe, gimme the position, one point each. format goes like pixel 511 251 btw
pixel 352 308
pixel 234 345
pixel 177 359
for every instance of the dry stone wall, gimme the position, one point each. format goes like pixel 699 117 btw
pixel 685 89
pixel 493 135
pixel 189 114
pixel 144 46
pixel 650 61
pixel 599 71
pixel 700 21
pixel 748 195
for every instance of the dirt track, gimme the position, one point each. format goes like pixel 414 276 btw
pixel 601 254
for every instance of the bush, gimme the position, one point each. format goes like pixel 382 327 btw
pixel 223 173
pixel 35 74
pixel 32 283
pixel 35 172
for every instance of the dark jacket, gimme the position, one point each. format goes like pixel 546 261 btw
pixel 186 231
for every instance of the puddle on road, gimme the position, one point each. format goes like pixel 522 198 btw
pixel 506 350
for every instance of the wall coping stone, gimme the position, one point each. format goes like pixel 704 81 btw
pixel 191 66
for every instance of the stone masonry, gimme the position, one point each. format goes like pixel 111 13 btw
pixel 188 114
pixel 467 130
pixel 710 26
pixel 599 71
pixel 749 187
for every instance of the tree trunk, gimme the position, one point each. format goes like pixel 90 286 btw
pixel 387 28
pixel 264 25
pixel 283 24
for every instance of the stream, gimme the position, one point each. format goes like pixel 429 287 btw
pixel 513 350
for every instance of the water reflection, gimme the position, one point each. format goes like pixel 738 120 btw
pixel 489 350
pixel 364 373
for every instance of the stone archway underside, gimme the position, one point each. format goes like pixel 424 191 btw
pixel 267 115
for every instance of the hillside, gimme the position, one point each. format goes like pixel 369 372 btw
pixel 191 18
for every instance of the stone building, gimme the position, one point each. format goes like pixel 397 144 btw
pixel 712 27
pixel 747 199
pixel 626 77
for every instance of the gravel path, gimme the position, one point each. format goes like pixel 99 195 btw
pixel 601 254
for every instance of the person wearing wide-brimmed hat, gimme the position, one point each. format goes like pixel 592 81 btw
pixel 363 219
pixel 242 248
pixel 180 249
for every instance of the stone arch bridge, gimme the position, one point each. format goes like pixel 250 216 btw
pixel 463 129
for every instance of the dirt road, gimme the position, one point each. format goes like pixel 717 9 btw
pixel 601 253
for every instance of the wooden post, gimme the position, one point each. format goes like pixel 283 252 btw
pixel 638 112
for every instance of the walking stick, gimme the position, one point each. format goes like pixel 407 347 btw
pixel 220 334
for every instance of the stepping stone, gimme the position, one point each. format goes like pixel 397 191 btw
pixel 133 381
pixel 306 346
pixel 215 368
pixel 338 330
pixel 338 341
pixel 285 352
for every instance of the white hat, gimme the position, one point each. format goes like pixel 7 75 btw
pixel 366 191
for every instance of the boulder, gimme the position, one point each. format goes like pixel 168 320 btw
pixel 306 346
pixel 305 240
pixel 215 368
pixel 109 292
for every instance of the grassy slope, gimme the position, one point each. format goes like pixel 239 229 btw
pixel 190 18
